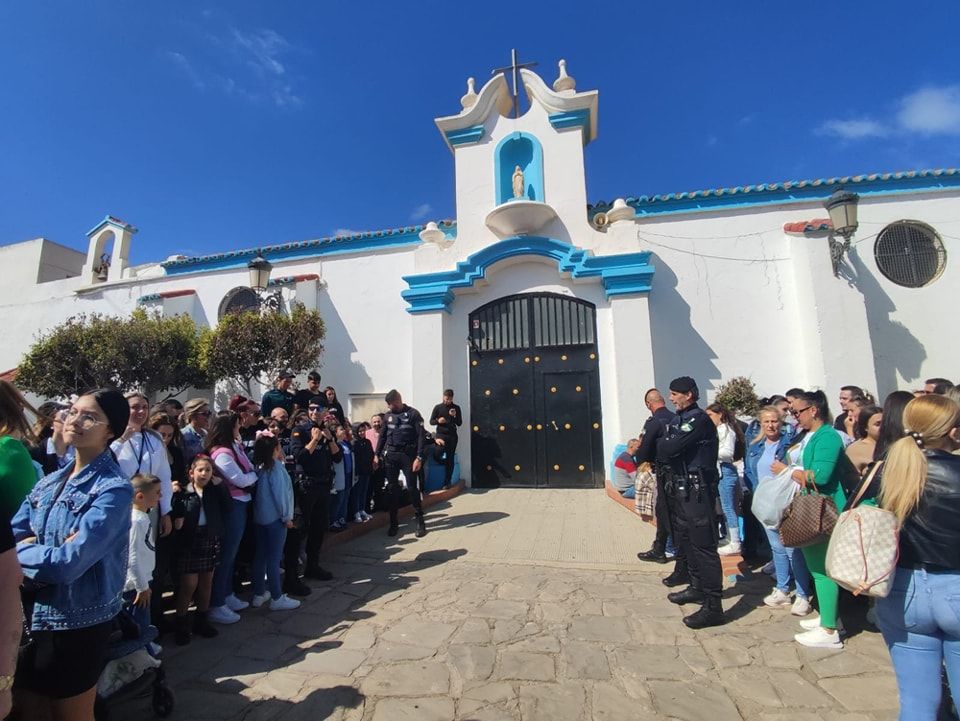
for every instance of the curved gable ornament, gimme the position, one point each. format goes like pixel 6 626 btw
pixel 624 274
pixel 468 126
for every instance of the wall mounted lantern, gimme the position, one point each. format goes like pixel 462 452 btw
pixel 259 269
pixel 842 207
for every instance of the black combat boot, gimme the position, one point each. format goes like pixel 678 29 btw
pixel 295 587
pixel 181 633
pixel 656 554
pixel 687 595
pixel 710 614
pixel 317 573
pixel 203 627
pixel 679 577
pixel 392 531
pixel 421 526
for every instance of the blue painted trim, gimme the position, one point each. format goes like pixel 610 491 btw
pixel 149 298
pixel 465 136
pixel 110 221
pixel 802 191
pixel 532 170
pixel 625 274
pixel 295 251
pixel 571 119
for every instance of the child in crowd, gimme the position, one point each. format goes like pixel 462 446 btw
pixel 198 512
pixel 272 515
pixel 338 515
pixel 142 552
pixel 363 469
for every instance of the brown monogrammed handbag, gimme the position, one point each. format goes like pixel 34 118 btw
pixel 809 519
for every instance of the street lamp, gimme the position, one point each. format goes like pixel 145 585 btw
pixel 259 269
pixel 842 207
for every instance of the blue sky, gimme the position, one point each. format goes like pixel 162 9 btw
pixel 214 126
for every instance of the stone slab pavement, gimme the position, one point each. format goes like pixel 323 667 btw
pixel 520 605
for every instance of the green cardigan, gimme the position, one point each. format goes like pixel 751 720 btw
pixel 824 456
pixel 17 475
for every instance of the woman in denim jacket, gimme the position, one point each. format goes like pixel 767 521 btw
pixel 72 532
pixel 773 440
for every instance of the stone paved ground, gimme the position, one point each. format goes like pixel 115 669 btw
pixel 520 605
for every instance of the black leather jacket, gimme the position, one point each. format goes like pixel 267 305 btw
pixel 931 534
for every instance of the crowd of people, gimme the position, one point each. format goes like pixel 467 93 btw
pixel 109 503
pixel 901 456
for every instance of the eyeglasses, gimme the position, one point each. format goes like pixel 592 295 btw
pixel 798 413
pixel 203 413
pixel 86 421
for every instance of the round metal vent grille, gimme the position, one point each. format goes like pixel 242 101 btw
pixel 910 253
pixel 237 301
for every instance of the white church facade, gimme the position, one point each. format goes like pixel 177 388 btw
pixel 551 316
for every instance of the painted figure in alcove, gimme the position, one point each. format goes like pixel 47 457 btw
pixel 518 183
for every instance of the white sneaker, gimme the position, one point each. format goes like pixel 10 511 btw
pixel 777 599
pixel 819 638
pixel 358 518
pixel 222 615
pixel 365 516
pixel 259 599
pixel 801 607
pixel 234 603
pixel 730 549
pixel 284 603
pixel 814 623
pixel 769 569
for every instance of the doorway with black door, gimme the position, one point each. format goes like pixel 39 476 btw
pixel 535 393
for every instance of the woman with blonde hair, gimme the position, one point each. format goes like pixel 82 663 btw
pixel 920 619
pixel 17 474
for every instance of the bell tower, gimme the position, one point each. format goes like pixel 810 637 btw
pixel 108 252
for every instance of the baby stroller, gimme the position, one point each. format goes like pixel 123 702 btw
pixel 131 672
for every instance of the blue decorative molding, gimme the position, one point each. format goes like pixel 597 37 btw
pixel 792 191
pixel 465 136
pixel 626 274
pixel 115 222
pixel 571 119
pixel 149 298
pixel 340 245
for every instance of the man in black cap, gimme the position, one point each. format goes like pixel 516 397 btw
pixel 687 459
pixel 653 430
pixel 400 447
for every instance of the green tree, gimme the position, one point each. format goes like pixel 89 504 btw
pixel 145 351
pixel 739 396
pixel 252 346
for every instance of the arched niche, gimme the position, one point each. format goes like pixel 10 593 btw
pixel 525 151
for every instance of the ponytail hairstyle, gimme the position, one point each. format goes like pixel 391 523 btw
pixel 819 400
pixel 263 450
pixel 926 420
pixel 728 419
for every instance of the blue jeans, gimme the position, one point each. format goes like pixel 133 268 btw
pixel 920 621
pixel 338 505
pixel 728 495
pixel 234 524
pixel 266 559
pixel 790 565
pixel 358 496
pixel 630 492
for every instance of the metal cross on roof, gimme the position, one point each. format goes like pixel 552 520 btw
pixel 514 67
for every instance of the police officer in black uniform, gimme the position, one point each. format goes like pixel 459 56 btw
pixel 653 430
pixel 687 458
pixel 401 448
pixel 315 449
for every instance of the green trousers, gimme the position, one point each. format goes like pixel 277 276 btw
pixel 828 592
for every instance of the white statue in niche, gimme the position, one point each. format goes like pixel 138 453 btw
pixel 518 183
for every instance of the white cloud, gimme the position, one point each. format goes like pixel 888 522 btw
pixel 928 111
pixel 180 61
pixel 242 64
pixel 421 211
pixel 931 111
pixel 853 129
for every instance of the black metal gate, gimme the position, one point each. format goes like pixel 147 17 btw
pixel 535 393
